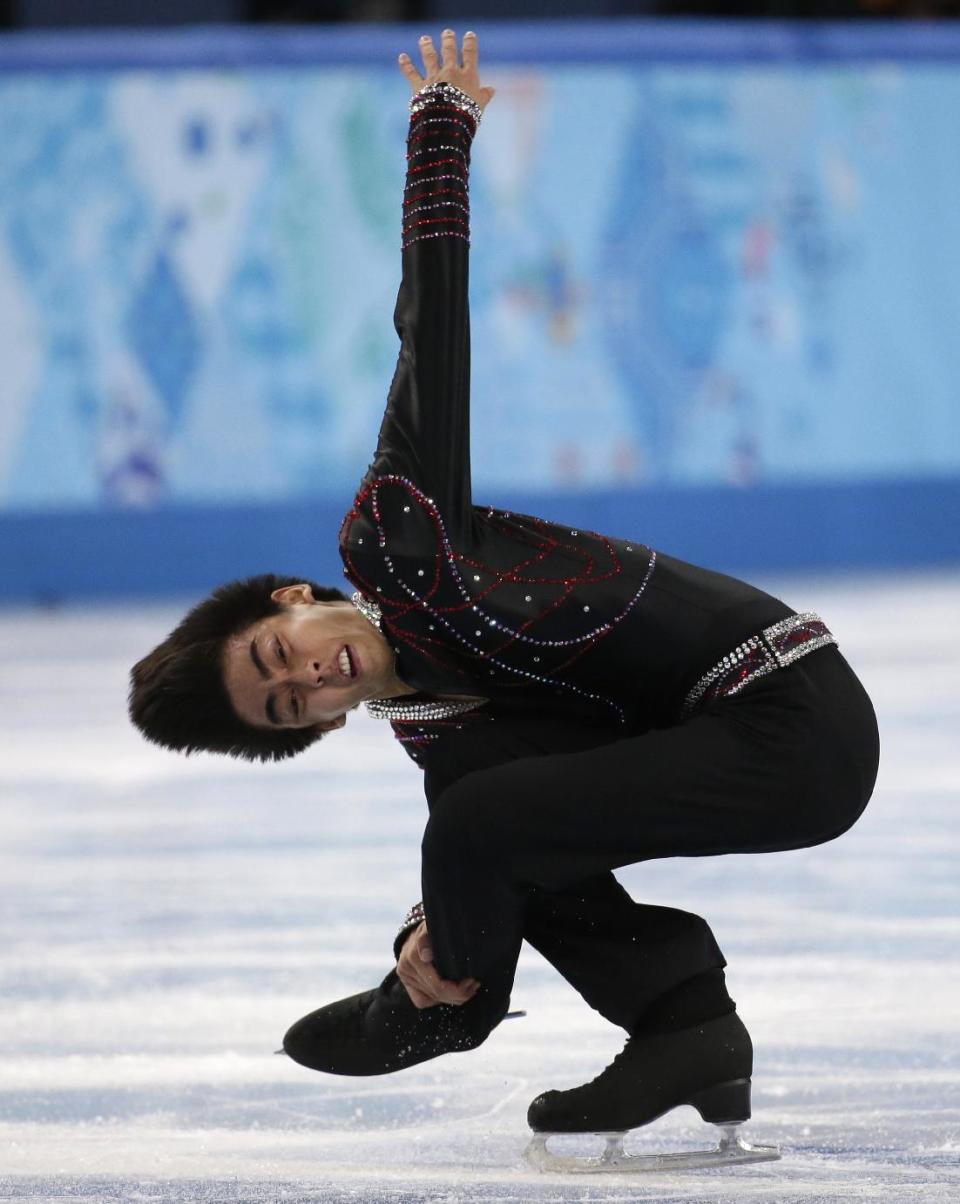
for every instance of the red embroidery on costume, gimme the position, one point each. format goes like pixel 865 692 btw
pixel 463 615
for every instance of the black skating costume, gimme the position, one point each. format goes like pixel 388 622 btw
pixel 636 706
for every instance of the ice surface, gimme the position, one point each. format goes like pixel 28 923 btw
pixel 162 921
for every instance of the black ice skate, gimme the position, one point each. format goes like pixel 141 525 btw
pixel 380 1031
pixel 707 1066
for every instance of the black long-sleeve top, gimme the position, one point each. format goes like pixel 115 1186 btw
pixel 543 620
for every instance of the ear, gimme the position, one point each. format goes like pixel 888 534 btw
pixel 332 725
pixel 291 595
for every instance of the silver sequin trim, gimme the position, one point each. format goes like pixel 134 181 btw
pixel 414 917
pixel 441 90
pixel 774 658
pixel 412 712
pixel 387 708
pixel 369 610
pixel 421 237
pixel 441 146
pixel 437 205
pixel 432 179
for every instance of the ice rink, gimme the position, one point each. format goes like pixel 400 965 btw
pixel 164 920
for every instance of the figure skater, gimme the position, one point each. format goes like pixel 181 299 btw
pixel 577 703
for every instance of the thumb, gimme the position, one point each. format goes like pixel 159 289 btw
pixel 488 95
pixel 426 949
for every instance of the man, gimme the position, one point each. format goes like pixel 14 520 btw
pixel 577 703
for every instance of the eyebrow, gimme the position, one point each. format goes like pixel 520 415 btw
pixel 255 657
pixel 271 704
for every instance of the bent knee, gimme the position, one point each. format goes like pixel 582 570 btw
pixel 835 821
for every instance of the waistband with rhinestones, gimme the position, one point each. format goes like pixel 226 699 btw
pixel 774 648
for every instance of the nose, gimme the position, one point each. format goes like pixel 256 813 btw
pixel 308 674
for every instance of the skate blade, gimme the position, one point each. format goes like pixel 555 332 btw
pixel 732 1151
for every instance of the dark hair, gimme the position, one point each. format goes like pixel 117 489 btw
pixel 178 698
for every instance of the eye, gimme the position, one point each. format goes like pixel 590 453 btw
pixel 281 652
pixel 295 705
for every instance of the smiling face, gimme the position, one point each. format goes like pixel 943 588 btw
pixel 307 665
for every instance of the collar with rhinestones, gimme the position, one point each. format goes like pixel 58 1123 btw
pixel 369 610
pixel 407 712
pixel 423 711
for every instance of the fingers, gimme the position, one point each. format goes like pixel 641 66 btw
pixel 448 48
pixel 418 998
pixel 429 55
pixel 424 948
pixel 448 51
pixel 425 986
pixel 414 78
pixel 442 990
pixel 422 981
pixel 449 69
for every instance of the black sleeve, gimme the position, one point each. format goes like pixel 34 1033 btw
pixel 494 739
pixel 425 435
pixel 478 741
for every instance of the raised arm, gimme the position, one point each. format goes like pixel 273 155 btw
pixel 425 436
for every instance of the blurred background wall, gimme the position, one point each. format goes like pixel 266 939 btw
pixel 63 13
pixel 713 292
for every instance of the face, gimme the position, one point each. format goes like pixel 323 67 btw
pixel 308 665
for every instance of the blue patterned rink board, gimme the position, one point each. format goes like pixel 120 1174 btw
pixel 709 262
pixel 162 921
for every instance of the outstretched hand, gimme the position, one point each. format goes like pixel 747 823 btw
pixel 424 985
pixel 466 77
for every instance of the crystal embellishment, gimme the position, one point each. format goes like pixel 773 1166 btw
pixel 420 712
pixel 776 647
pixel 408 712
pixel 369 610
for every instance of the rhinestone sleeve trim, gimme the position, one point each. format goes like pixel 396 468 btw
pixel 775 647
pixel 415 915
pixel 450 93
pixel 436 201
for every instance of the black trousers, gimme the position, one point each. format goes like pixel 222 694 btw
pixel 526 849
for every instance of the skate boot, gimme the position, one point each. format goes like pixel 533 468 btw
pixel 380 1031
pixel 707 1066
